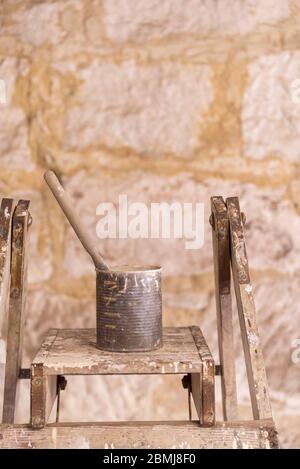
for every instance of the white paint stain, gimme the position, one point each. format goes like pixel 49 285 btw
pixel 6 213
pixel 109 446
pixel 252 337
pixel 83 443
pixel 115 366
pixel 2 352
pixel 125 286
pixel 182 445
pixel 248 288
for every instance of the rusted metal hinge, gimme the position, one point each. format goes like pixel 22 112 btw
pixel 24 373
pixel 61 380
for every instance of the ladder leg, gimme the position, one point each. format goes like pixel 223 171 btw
pixel 21 221
pixel 203 384
pixel 43 395
pixel 255 367
pixel 221 253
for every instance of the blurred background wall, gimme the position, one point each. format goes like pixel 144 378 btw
pixel 164 101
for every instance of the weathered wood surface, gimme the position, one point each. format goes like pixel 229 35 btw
pixel 181 435
pixel 43 389
pixel 74 351
pixel 207 378
pixel 221 254
pixel 6 212
pixel 16 307
pixel 43 393
pixel 256 372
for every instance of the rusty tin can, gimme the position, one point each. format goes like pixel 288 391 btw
pixel 129 308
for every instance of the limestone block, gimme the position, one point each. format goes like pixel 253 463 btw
pixel 270 116
pixel 141 108
pixel 139 20
pixel 14 146
pixel 40 248
pixel 39 23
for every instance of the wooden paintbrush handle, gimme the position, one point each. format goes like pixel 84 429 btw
pixel 65 203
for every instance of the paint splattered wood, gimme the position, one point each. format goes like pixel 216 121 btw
pixel 16 307
pixel 43 389
pixel 74 352
pixel 45 348
pixel 181 435
pixel 207 380
pixel 221 254
pixel 256 372
pixel 6 209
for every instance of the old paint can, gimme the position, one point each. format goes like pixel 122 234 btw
pixel 129 308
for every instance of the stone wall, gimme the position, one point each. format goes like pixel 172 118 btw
pixel 162 101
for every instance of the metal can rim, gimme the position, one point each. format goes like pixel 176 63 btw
pixel 131 269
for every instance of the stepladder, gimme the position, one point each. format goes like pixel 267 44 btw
pixel 185 353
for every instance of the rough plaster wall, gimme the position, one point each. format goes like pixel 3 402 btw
pixel 162 101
